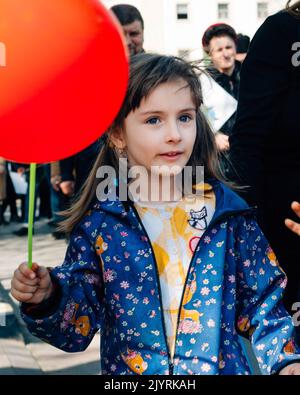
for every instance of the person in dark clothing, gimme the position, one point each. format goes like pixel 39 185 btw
pixel 42 176
pixel 219 42
pixel 133 26
pixel 242 47
pixel 3 192
pixel 231 84
pixel 75 169
pixel 73 173
pixel 9 201
pixel 45 209
pixel 11 196
pixel 266 138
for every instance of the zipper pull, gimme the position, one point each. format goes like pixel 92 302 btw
pixel 171 368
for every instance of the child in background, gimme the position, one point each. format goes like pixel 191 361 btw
pixel 171 283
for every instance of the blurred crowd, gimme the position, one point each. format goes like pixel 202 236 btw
pixel 58 183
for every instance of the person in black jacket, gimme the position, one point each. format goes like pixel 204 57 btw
pixel 74 171
pixel 76 168
pixel 219 42
pixel 242 46
pixel 132 24
pixel 266 137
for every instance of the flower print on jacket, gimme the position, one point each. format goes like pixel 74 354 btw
pixel 243 324
pixel 109 276
pixel 290 347
pixel 272 257
pixel 190 318
pixel 100 245
pixel 134 361
pixel 82 323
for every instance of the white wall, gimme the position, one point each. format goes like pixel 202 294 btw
pixel 165 34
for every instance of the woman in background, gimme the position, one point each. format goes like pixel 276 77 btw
pixel 266 137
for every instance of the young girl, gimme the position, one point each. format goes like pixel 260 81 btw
pixel 169 283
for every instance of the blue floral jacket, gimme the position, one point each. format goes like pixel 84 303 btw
pixel 109 281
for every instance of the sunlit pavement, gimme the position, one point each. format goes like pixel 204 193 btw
pixel 20 352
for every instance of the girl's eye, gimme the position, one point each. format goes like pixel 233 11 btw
pixel 185 118
pixel 153 121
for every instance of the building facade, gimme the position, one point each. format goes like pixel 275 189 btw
pixel 176 26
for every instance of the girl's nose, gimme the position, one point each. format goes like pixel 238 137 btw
pixel 173 132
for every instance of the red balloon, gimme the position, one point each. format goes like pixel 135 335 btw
pixel 63 77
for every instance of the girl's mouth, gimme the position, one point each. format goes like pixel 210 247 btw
pixel 171 155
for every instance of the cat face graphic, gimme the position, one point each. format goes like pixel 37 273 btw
pixel 198 219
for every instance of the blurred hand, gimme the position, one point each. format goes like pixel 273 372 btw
pixel 31 285
pixel 2 169
pixel 222 142
pixel 55 182
pixel 67 188
pixel 292 225
pixel 21 170
pixel 291 370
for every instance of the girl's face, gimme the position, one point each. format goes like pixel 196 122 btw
pixel 162 131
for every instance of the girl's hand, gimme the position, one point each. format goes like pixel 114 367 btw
pixel 31 285
pixel 291 370
pixel 292 225
pixel 222 142
pixel 21 170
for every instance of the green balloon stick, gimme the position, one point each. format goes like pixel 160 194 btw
pixel 31 211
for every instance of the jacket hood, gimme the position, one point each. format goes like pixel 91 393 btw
pixel 227 201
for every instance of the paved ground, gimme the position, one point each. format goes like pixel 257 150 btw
pixel 20 352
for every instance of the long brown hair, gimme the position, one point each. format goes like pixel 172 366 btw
pixel 293 9
pixel 147 71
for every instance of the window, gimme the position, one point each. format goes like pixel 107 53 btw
pixel 262 10
pixel 223 11
pixel 182 11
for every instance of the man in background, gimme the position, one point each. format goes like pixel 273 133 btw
pixel 133 26
pixel 219 42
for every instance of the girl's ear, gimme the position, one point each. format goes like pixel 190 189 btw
pixel 117 138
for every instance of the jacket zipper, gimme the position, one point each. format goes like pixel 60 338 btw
pixel 170 361
pixel 226 215
pixel 213 223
